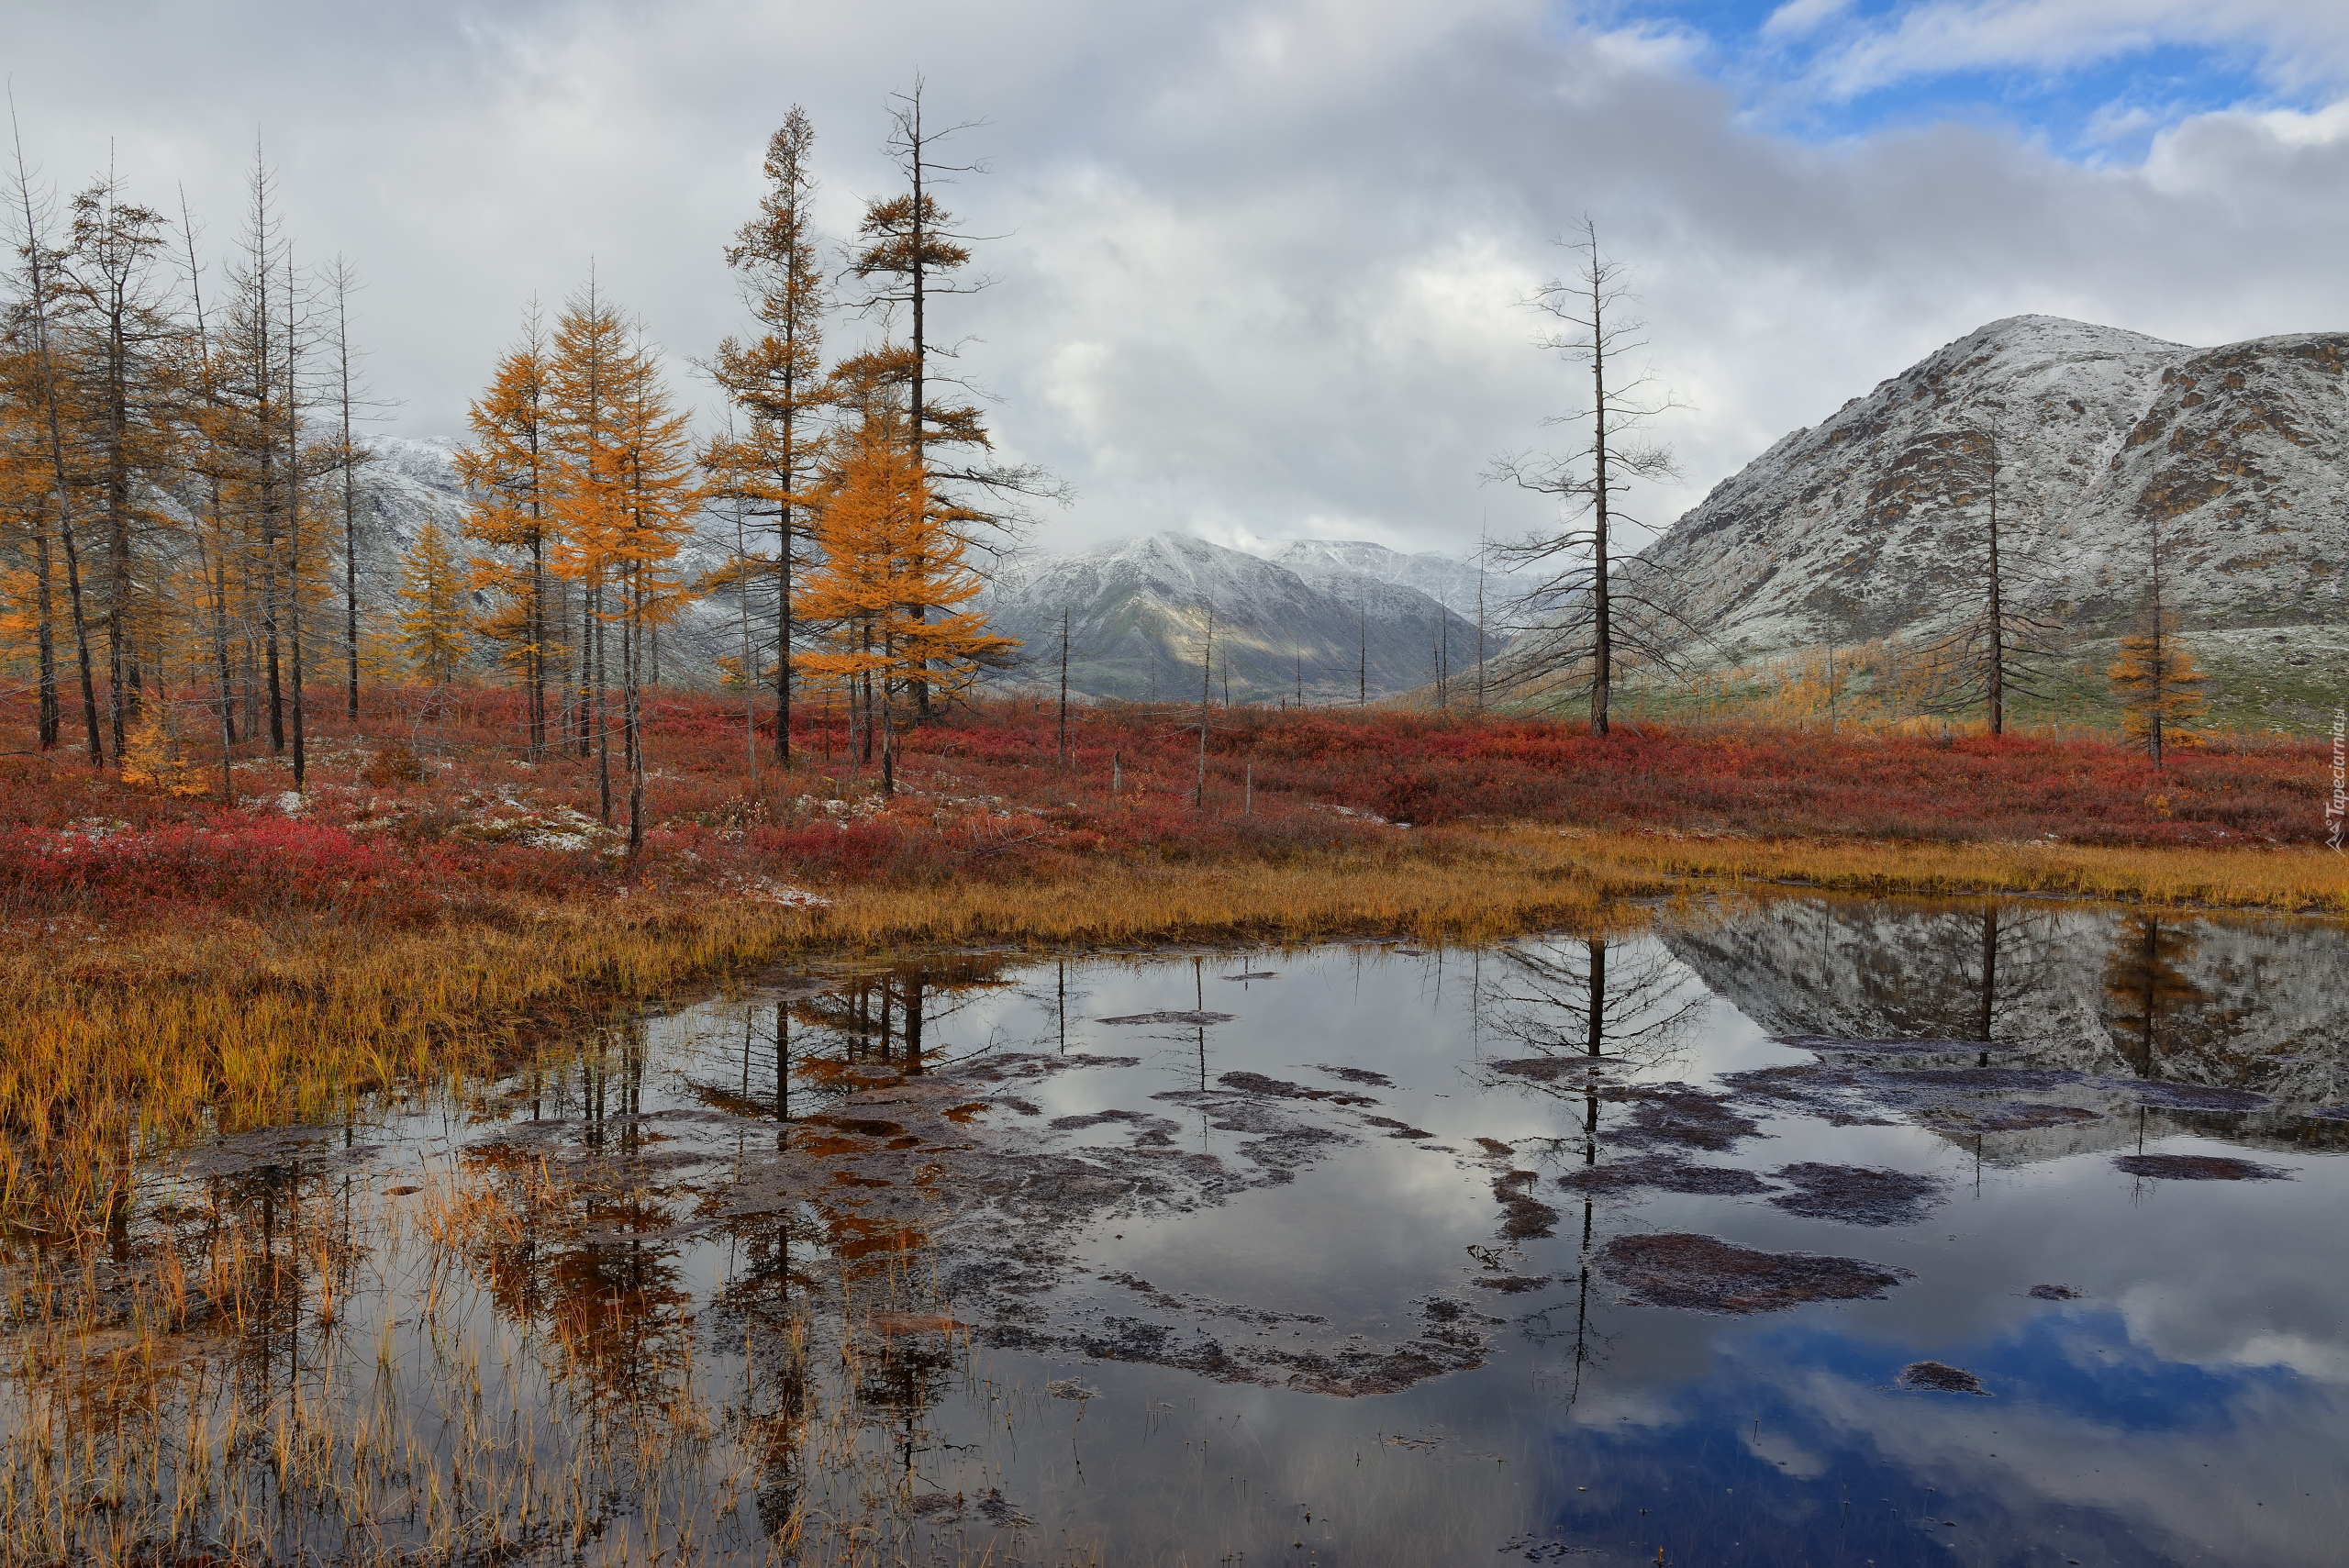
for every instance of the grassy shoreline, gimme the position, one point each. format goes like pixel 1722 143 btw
pixel 128 1035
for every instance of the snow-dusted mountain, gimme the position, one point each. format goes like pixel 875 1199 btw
pixel 1138 608
pixel 2244 1006
pixel 1337 563
pixel 1139 613
pixel 410 479
pixel 1865 524
pixel 2237 1007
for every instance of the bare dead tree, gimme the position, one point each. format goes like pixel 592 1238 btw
pixel 909 250
pixel 1998 642
pixel 1584 597
pixel 40 260
pixel 348 393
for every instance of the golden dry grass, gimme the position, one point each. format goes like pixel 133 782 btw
pixel 139 1036
pixel 2307 880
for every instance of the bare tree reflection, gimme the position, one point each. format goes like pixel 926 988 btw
pixel 1596 995
pixel 2017 950
pixel 2144 986
pixel 1565 1001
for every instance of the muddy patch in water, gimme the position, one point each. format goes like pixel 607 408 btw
pixel 1937 1377
pixel 1664 1173
pixel 2024 1117
pixel 1551 1069
pixel 1678 1114
pixel 2199 1168
pixel 1848 1094
pixel 1281 1088
pixel 1396 1128
pixel 1895 1047
pixel 1704 1273
pixel 1523 1217
pixel 1539 1550
pixel 1857 1195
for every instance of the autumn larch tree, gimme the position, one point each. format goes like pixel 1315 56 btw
pixel 658 501
pixel 508 468
pixel 26 515
pixel 777 380
pixel 587 377
pixel 432 620
pixel 122 339
pixel 1587 594
pixel 891 554
pixel 2158 686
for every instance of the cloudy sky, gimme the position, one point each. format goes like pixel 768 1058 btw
pixel 1260 262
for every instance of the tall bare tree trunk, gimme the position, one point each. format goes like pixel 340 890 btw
pixel 219 533
pixel 350 497
pixel 603 708
pixel 635 699
pixel 1602 671
pixel 34 249
pixel 294 520
pixel 46 612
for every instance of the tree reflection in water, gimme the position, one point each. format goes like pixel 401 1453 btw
pixel 2018 944
pixel 2144 986
pixel 867 1286
pixel 672 1291
pixel 1578 1017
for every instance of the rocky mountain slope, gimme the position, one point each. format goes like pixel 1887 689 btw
pixel 2236 1006
pixel 1447 579
pixel 1139 613
pixel 1870 523
pixel 1138 608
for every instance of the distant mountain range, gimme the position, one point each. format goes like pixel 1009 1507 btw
pixel 1863 526
pixel 1330 620
pixel 1860 527
pixel 1338 616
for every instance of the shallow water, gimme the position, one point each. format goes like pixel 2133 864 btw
pixel 1353 1255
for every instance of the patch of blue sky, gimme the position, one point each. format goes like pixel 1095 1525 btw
pixel 2075 1362
pixel 2088 99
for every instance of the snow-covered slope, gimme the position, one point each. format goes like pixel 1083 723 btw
pixel 1868 523
pixel 2237 1007
pixel 2244 1006
pixel 1138 608
pixel 1336 565
pixel 1139 613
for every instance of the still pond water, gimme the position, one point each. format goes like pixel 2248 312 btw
pixel 1793 1232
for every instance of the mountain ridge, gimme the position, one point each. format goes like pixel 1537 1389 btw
pixel 1854 528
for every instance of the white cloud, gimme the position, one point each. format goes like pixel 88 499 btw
pixel 1798 18
pixel 2245 159
pixel 1261 259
